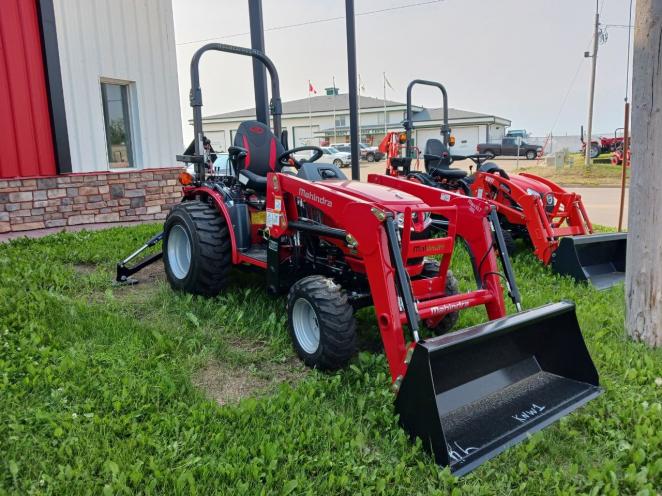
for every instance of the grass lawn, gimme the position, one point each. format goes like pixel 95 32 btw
pixel 603 175
pixel 107 390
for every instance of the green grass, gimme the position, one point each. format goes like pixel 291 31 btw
pixel 575 174
pixel 96 393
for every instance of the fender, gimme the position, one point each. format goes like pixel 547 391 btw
pixel 190 193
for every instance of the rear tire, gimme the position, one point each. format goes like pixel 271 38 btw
pixel 321 323
pixel 370 157
pixel 490 153
pixel 595 151
pixel 431 269
pixel 197 252
pixel 531 154
pixel 338 163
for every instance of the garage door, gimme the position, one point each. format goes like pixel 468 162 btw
pixel 303 137
pixel 466 139
pixel 217 139
pixel 423 135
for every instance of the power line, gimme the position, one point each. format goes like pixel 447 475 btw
pixel 317 21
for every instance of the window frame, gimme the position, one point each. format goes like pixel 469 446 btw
pixel 126 89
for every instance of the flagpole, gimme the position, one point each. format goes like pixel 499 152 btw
pixel 310 117
pixel 385 120
pixel 359 116
pixel 335 136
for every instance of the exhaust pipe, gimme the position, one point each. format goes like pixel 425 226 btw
pixel 470 395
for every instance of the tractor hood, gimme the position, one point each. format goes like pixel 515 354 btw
pixel 526 183
pixel 375 193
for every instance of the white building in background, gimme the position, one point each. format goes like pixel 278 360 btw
pixel 324 120
pixel 119 83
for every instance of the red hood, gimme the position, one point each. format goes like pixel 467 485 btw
pixel 375 193
pixel 528 183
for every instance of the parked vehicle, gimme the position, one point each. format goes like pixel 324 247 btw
pixel 369 153
pixel 336 246
pixel 604 144
pixel 549 218
pixel 509 147
pixel 517 133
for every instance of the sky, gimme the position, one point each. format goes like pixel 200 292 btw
pixel 518 59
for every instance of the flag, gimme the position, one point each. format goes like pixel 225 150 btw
pixel 388 83
pixel 311 88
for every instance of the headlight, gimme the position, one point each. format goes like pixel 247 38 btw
pixel 530 191
pixel 427 219
pixel 549 199
pixel 400 218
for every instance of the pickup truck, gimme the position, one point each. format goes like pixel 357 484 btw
pixel 508 147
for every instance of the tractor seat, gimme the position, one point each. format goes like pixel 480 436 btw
pixel 252 181
pixel 448 174
pixel 263 149
pixel 436 155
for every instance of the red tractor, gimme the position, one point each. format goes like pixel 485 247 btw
pixel 335 246
pixel 551 219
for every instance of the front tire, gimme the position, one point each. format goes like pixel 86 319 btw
pixel 321 323
pixel 370 157
pixel 431 269
pixel 197 252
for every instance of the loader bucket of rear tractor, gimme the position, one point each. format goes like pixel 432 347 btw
pixel 471 394
pixel 595 258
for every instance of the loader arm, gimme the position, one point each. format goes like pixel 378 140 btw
pixel 501 192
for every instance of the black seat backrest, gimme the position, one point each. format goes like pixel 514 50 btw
pixel 262 145
pixel 436 147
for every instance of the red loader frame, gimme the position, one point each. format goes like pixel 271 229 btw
pixel 517 207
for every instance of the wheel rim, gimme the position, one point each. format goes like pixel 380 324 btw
pixel 338 163
pixel 371 158
pixel 179 251
pixel 306 327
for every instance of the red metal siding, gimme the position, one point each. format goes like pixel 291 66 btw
pixel 26 140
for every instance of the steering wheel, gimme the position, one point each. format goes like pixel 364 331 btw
pixel 477 158
pixel 286 159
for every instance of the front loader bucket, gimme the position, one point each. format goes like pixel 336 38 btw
pixel 471 394
pixel 596 258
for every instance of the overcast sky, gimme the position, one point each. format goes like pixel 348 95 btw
pixel 518 59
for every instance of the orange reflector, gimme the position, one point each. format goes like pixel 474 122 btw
pixel 451 141
pixel 185 178
pixel 402 138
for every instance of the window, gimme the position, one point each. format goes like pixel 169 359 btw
pixel 117 121
pixel 340 121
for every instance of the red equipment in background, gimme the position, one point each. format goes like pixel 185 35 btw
pixel 554 221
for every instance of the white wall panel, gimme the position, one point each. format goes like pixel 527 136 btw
pixel 124 40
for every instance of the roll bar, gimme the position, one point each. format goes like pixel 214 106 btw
pixel 408 123
pixel 195 96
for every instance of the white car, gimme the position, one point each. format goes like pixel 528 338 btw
pixel 221 165
pixel 330 155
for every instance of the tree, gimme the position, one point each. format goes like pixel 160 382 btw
pixel 643 273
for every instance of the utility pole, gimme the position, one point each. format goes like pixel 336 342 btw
pixel 643 268
pixel 587 157
pixel 352 79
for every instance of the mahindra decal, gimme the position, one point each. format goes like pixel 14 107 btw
pixel 449 307
pixel 314 197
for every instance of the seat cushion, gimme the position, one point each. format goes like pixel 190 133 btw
pixel 449 174
pixel 252 181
